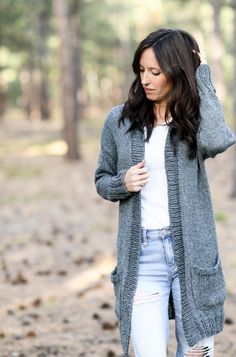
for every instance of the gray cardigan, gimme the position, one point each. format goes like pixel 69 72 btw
pixel 202 283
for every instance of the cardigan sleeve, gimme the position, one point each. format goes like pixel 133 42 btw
pixel 214 136
pixel 109 183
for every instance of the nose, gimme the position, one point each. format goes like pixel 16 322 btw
pixel 145 80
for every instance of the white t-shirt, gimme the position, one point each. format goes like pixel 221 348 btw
pixel 154 194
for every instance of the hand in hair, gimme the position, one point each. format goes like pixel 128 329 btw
pixel 202 56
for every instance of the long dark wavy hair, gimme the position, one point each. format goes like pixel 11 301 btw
pixel 173 49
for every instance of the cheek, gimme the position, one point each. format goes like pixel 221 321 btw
pixel 166 87
pixel 162 85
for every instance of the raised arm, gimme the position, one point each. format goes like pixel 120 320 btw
pixel 214 136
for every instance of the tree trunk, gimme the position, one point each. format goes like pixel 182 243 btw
pixel 43 90
pixel 68 82
pixel 30 90
pixel 3 101
pixel 234 98
pixel 218 53
pixel 77 61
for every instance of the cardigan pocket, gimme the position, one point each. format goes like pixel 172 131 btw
pixel 115 279
pixel 208 285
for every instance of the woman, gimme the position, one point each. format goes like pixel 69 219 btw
pixel 152 161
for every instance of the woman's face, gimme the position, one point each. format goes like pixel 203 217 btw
pixel 153 80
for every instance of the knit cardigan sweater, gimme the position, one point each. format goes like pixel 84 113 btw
pixel 202 282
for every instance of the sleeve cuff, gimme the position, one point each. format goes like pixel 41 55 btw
pixel 117 187
pixel 203 78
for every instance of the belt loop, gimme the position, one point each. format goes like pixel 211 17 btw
pixel 145 240
pixel 165 231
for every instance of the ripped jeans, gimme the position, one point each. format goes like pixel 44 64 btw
pixel 158 274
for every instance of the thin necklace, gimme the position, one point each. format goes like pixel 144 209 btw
pixel 161 124
pixel 169 120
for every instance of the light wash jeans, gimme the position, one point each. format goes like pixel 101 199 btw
pixel 158 274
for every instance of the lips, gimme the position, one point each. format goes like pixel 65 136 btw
pixel 148 90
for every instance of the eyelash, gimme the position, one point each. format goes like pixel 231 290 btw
pixel 155 74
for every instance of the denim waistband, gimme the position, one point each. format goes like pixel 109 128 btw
pixel 155 233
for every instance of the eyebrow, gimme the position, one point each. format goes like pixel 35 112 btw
pixel 150 67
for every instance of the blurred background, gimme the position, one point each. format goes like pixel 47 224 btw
pixel 63 65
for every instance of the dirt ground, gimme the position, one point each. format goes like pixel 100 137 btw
pixel 58 247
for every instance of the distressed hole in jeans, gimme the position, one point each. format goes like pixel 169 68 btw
pixel 198 352
pixel 142 297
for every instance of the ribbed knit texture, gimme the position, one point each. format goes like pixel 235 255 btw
pixel 190 326
pixel 202 283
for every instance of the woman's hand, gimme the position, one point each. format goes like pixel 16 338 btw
pixel 136 177
pixel 202 56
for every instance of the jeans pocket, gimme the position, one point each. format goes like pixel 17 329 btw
pixel 115 279
pixel 208 285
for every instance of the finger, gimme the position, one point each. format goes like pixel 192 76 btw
pixel 140 164
pixel 144 170
pixel 142 183
pixel 143 177
pixel 201 55
pixel 203 58
pixel 137 189
pixel 140 172
pixel 139 178
pixel 145 181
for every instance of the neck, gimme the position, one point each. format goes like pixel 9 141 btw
pixel 160 111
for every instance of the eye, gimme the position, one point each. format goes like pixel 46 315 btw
pixel 156 74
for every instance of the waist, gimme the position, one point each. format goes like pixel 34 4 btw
pixel 155 233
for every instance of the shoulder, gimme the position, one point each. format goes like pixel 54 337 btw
pixel 113 116
pixel 117 110
pixel 115 113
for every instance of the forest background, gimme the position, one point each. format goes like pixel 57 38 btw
pixel 63 65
